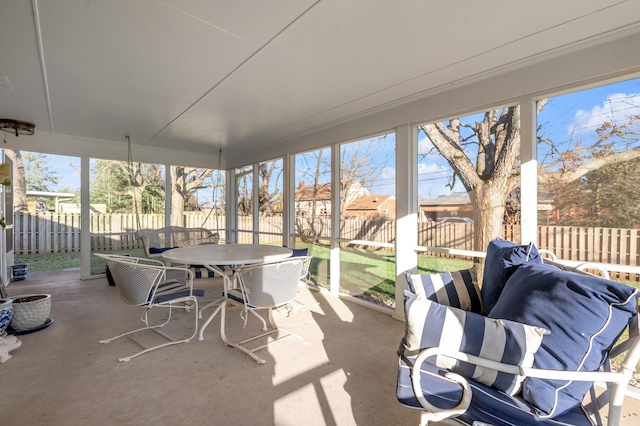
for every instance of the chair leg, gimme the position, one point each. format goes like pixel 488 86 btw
pixel 156 327
pixel 264 323
pixel 239 346
pixel 251 351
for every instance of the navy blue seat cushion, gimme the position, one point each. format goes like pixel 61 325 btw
pixel 178 294
pixel 430 324
pixel 158 250
pixel 503 259
pixel 488 405
pixel 457 289
pixel 585 316
pixel 299 252
pixel 164 286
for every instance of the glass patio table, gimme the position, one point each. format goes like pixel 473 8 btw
pixel 218 257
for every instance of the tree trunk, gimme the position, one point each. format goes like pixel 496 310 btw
pixel 177 208
pixel 18 182
pixel 488 202
pixel 177 198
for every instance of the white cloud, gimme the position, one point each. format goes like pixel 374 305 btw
pixel 424 144
pixel 385 183
pixel 388 173
pixel 616 109
pixel 431 168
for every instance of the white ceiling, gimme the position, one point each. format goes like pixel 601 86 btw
pixel 204 75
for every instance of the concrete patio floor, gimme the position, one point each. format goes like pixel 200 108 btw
pixel 62 375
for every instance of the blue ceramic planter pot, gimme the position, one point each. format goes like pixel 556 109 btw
pixel 19 272
pixel 6 312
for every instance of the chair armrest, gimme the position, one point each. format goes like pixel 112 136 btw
pixel 132 259
pixel 145 243
pixel 435 413
pixel 189 273
pixel 163 286
pixel 585 376
pixel 148 261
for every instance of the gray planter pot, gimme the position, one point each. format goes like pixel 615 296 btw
pixel 30 311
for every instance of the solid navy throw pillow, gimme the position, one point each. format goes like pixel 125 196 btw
pixel 298 252
pixel 502 259
pixel 159 250
pixel 585 315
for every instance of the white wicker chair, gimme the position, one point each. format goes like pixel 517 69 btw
pixel 264 286
pixel 155 241
pixel 143 282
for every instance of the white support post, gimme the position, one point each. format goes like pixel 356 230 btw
pixel 231 206
pixel 288 207
pixel 406 210
pixel 85 218
pixel 255 203
pixel 528 172
pixel 334 260
pixel 168 194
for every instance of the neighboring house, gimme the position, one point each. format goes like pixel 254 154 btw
pixel 305 194
pixel 458 204
pixel 37 206
pixel 452 205
pixel 547 212
pixel 304 199
pixel 75 208
pixel 373 205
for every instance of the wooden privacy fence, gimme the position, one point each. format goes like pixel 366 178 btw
pixel 47 232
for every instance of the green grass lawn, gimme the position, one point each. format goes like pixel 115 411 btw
pixel 71 260
pixel 370 274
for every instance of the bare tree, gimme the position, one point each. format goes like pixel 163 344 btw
pixel 19 182
pixel 360 166
pixel 245 199
pixel 490 173
pixel 489 177
pixel 614 143
pixel 312 169
pixel 185 182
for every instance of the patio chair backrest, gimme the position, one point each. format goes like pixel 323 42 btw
pixel 271 284
pixel 134 281
pixel 156 240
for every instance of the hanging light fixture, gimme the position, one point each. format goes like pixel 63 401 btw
pixel 17 127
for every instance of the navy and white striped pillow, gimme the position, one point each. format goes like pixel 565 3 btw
pixel 200 271
pixel 457 289
pixel 430 324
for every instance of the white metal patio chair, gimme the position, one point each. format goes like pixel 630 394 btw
pixel 264 286
pixel 143 282
pixel 305 275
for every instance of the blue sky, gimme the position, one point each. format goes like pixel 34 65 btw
pixel 566 118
